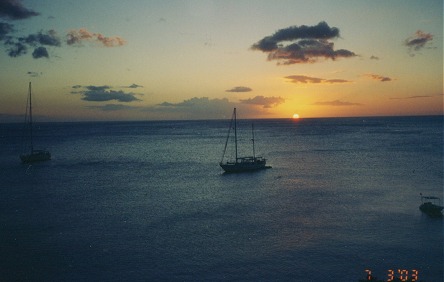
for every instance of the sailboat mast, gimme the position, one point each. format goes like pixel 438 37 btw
pixel 30 115
pixel 252 133
pixel 235 131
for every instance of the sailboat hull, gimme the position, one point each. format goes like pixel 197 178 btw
pixel 244 165
pixel 36 156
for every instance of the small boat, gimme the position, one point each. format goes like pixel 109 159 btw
pixel 431 205
pixel 32 155
pixel 241 164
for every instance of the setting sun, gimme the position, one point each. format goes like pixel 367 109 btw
pixel 295 116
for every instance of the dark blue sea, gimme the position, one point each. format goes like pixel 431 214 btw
pixel 147 201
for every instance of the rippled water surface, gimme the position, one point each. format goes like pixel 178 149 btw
pixel 141 201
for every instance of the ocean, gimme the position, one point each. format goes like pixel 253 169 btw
pixel 147 201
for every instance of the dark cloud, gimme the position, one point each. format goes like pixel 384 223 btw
pixel 306 79
pixel 134 86
pixel 19 46
pixel 239 89
pixel 97 88
pixel 49 38
pixel 40 52
pixel 374 57
pixel 378 77
pixel 309 43
pixel 103 93
pixel 266 102
pixel 336 103
pixel 5 29
pixel 33 74
pixel 418 41
pixel 16 49
pixel 77 37
pixel 14 10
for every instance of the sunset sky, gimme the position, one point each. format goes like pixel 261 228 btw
pixel 151 60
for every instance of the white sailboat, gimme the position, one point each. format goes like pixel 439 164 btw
pixel 241 164
pixel 32 155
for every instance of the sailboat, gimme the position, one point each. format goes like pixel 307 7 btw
pixel 431 205
pixel 32 155
pixel 241 164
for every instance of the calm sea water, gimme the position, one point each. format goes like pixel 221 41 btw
pixel 147 201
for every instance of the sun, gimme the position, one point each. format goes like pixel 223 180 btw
pixel 295 116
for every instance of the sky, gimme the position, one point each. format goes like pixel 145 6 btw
pixel 174 60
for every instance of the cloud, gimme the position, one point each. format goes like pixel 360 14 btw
pixel 266 102
pixel 418 41
pixel 196 102
pixel 307 44
pixel 336 103
pixel 19 46
pixel 14 10
pixel 16 49
pixel 374 57
pixel 40 52
pixel 49 38
pixel 306 80
pixel 378 77
pixel 5 29
pixel 112 107
pixel 134 86
pixel 239 89
pixel 33 74
pixel 418 97
pixel 203 108
pixel 194 108
pixel 76 37
pixel 103 93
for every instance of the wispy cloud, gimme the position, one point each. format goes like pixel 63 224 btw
pixel 372 57
pixel 77 37
pixel 378 77
pixel 309 44
pixel 113 107
pixel 418 41
pixel 204 108
pixel 336 103
pixel 103 93
pixel 239 89
pixel 310 80
pixel 417 97
pixel 134 86
pixel 266 102
pixel 33 73
pixel 14 10
pixel 194 108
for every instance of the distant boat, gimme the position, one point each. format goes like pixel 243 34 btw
pixel 241 164
pixel 431 205
pixel 31 154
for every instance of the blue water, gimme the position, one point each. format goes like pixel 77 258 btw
pixel 147 201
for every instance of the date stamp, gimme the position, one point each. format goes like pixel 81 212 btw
pixel 395 275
